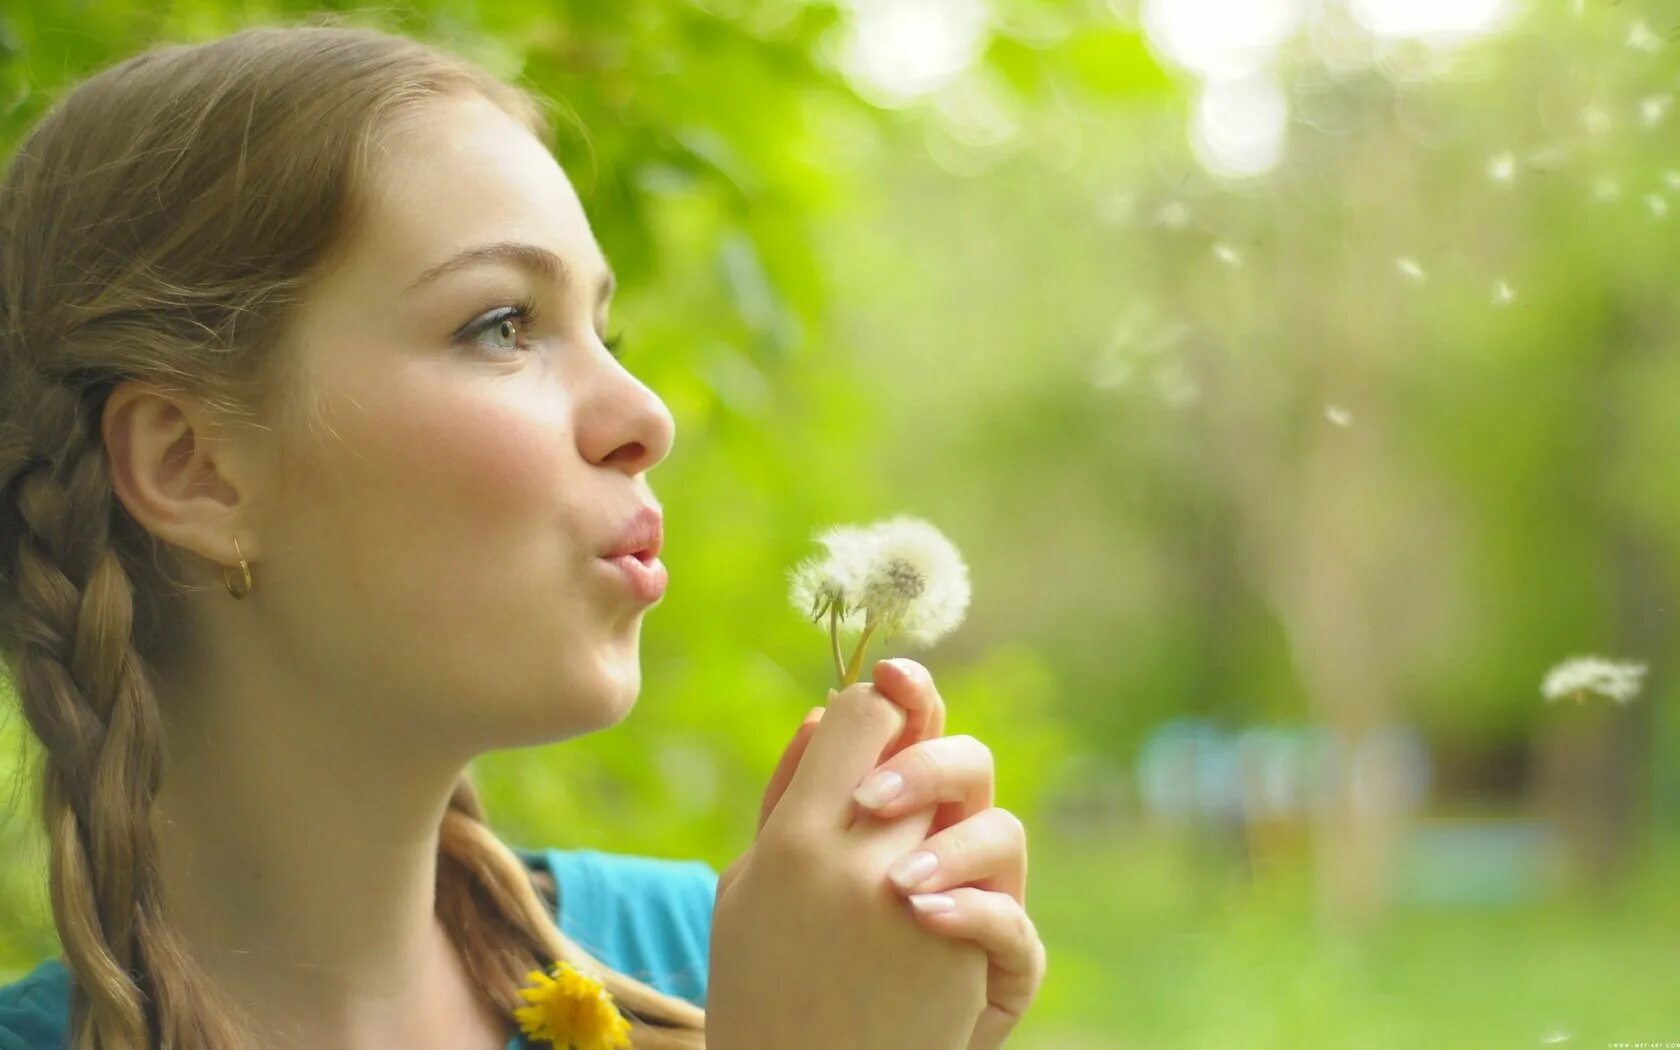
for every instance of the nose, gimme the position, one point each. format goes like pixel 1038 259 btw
pixel 625 425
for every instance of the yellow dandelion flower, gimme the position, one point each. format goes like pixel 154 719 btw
pixel 572 1011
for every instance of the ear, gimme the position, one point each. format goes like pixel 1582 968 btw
pixel 174 472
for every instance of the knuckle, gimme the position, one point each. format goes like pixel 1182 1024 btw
pixel 867 705
pixel 1024 928
pixel 791 845
pixel 931 759
pixel 957 852
pixel 974 747
pixel 1012 825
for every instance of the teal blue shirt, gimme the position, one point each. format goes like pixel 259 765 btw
pixel 647 917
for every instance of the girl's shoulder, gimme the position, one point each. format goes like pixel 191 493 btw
pixel 35 1008
pixel 649 917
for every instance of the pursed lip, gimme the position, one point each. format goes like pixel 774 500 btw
pixel 643 535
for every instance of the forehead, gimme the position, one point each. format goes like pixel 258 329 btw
pixel 460 171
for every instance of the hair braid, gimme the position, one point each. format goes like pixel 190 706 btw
pixel 86 695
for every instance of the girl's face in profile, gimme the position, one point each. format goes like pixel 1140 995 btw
pixel 437 556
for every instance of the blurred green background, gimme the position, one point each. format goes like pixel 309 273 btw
pixel 1298 378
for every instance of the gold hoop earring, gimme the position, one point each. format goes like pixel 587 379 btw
pixel 244 568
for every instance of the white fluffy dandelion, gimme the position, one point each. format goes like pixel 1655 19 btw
pixel 1581 675
pixel 900 576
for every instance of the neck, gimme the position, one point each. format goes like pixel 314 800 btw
pixel 300 864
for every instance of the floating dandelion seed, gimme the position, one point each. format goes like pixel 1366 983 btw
pixel 1581 675
pixel 1547 158
pixel 1173 215
pixel 1606 189
pixel 900 576
pixel 1409 267
pixel 1556 1035
pixel 1640 38
pixel 1227 254
pixel 1117 208
pixel 1658 204
pixel 1503 293
pixel 1653 108
pixel 1672 179
pixel 1502 168
pixel 1595 118
pixel 1338 415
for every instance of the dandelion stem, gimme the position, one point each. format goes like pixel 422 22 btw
pixel 834 640
pixel 856 664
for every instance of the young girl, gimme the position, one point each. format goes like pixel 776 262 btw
pixel 318 478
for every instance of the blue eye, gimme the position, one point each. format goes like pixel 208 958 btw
pixel 507 321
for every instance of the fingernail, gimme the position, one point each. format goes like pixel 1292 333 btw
pixel 912 869
pixel 904 666
pixel 879 789
pixel 928 903
pixel 831 695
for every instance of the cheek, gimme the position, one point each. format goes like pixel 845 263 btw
pixel 456 485
pixel 482 459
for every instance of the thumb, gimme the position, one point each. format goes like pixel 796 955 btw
pixel 783 775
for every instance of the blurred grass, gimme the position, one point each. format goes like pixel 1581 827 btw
pixel 1147 949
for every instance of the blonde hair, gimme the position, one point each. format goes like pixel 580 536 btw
pixel 159 222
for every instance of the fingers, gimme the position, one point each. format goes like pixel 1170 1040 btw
pixel 908 684
pixel 849 739
pixel 945 769
pixel 790 761
pixel 1001 926
pixel 988 850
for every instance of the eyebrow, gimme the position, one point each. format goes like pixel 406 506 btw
pixel 530 257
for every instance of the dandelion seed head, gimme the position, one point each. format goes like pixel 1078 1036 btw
pixel 1581 675
pixel 819 584
pixel 1338 415
pixel 900 574
pixel 918 584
